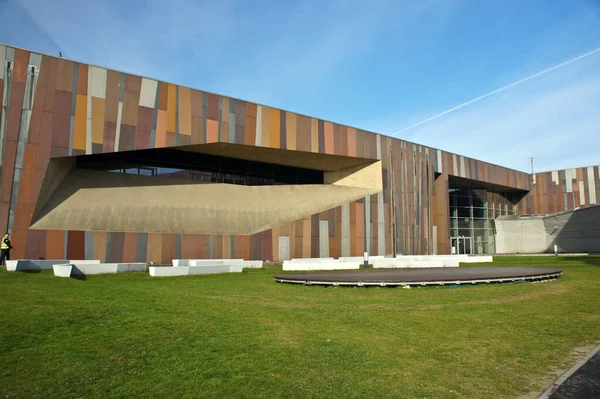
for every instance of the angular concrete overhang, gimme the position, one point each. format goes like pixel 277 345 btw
pixel 92 200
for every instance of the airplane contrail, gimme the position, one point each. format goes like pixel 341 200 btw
pixel 491 93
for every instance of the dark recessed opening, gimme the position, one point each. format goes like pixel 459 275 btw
pixel 203 168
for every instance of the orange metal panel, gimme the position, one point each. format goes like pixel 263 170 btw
pixel 154 247
pixel 274 127
pixel 212 131
pixel 161 129
pixel 185 111
pixel 100 238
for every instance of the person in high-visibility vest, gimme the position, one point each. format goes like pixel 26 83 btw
pixel 5 248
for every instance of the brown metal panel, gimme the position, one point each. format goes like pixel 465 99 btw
pixel 98 111
pixel 28 176
pixel 197 135
pixel 44 70
pixel 4 207
pixel 337 139
pixel 196 103
pixel 110 131
pixel 36 115
pixel 50 86
pixel 131 101
pixel 129 247
pixel 23 213
pixel 171 139
pixel 250 131
pixel 113 92
pixel 117 245
pixel 18 239
pixel 351 142
pixel 163 98
pixel 303 133
pixel 344 140
pixel 64 77
pixel 127 138
pixel 267 245
pixel 242 247
pixel 13 119
pixel 10 154
pixel 45 140
pixel 359 143
pixel 144 126
pixel 35 247
pixel 82 79
pixel 21 62
pixel 185 140
pixel 314 234
pixel 96 148
pixel 55 245
pixel 62 119
pixel 219 240
pixel 193 246
pixel 328 132
pixel 133 83
pixel 212 107
pixel 76 245
pixel 255 247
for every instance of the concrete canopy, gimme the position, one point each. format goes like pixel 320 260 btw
pixel 93 200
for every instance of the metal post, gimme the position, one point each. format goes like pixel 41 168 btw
pixel 366 258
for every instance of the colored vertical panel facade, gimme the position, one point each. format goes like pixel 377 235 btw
pixel 80 109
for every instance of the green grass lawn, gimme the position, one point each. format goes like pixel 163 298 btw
pixel 245 336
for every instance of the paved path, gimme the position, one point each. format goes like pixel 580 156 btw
pixel 583 384
pixel 582 381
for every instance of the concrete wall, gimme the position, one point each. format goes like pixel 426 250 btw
pixel 520 235
pixel 575 231
pixel 571 231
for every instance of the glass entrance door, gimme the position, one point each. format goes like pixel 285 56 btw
pixel 461 245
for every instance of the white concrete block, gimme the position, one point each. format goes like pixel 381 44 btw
pixel 11 265
pixel 33 264
pixel 169 271
pixel 62 270
pixel 131 267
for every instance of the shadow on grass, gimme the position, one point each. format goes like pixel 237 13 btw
pixel 78 276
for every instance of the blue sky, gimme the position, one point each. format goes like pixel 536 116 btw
pixel 380 65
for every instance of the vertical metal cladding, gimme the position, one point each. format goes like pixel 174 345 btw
pixel 73 109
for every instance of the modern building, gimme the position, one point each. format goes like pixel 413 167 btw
pixel 101 164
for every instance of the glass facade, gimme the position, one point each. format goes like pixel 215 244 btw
pixel 204 168
pixel 472 214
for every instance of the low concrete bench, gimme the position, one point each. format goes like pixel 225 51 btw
pixel 319 264
pixel 34 264
pixel 392 263
pixel 253 264
pixel 83 268
pixel 205 268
